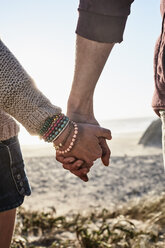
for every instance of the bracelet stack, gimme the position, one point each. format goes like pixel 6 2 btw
pixel 57 147
pixel 71 143
pixel 53 127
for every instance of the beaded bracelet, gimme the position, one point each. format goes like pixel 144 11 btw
pixel 54 138
pixel 56 131
pixel 72 141
pixel 53 127
pixel 48 123
pixel 64 140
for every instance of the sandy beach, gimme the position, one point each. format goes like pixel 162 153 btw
pixel 134 172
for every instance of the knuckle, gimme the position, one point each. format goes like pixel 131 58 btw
pixel 108 131
pixel 76 167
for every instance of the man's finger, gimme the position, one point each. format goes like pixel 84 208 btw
pixel 104 133
pixel 105 151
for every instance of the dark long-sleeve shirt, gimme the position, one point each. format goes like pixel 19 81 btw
pixel 105 20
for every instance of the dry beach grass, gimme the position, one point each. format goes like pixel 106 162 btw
pixel 122 206
pixel 136 224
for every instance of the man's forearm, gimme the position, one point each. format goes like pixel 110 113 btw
pixel 100 25
pixel 91 57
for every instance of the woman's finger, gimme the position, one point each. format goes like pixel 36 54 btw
pixel 64 160
pixel 82 173
pixel 73 166
pixel 84 178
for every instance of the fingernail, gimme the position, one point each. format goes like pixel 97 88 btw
pixel 71 160
pixel 79 163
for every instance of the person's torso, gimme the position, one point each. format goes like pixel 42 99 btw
pixel 8 127
pixel 159 66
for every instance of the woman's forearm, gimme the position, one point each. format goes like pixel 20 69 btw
pixel 19 96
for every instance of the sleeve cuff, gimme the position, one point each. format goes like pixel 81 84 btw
pixel 101 28
pixel 38 117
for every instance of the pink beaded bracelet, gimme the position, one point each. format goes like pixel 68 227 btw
pixel 72 141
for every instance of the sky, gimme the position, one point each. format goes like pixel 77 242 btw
pixel 41 34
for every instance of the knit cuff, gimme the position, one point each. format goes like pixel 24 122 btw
pixel 36 119
pixel 101 28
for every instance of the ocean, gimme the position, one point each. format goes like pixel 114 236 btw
pixel 117 127
pixel 130 125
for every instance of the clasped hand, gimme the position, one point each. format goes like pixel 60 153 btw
pixel 89 146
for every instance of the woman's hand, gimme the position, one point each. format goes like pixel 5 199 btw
pixel 77 167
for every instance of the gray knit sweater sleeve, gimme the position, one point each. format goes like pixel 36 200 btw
pixel 19 96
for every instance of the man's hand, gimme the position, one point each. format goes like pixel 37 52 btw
pixel 90 119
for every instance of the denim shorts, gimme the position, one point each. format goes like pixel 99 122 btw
pixel 13 181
